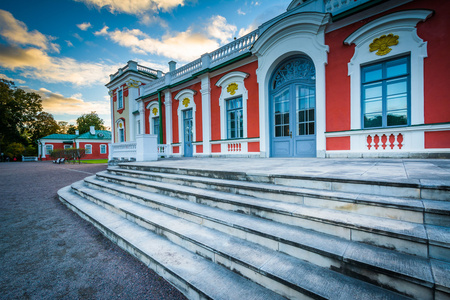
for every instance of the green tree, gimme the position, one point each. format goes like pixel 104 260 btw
pixel 63 126
pixel 18 109
pixel 87 120
pixel 15 149
pixel 43 125
pixel 71 129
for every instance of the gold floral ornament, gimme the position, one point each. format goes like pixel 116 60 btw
pixel 186 102
pixel 155 111
pixel 231 88
pixel 133 83
pixel 383 43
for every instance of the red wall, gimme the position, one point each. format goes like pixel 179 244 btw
pixel 437 139
pixel 95 150
pixel 251 84
pixel 338 143
pixel 436 66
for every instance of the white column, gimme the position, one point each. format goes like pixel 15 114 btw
pixel 132 95
pixel 142 116
pixel 43 150
pixel 206 114
pixel 169 131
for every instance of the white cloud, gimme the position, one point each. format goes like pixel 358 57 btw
pixel 184 46
pixel 16 32
pixel 84 26
pixel 35 63
pixel 56 104
pixel 134 7
pixel 78 37
pixel 255 3
pixel 69 43
pixel 244 31
pixel 220 29
pixel 3 76
pixel 240 12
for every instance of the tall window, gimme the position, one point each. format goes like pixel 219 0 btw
pixel 48 149
pixel 121 135
pixel 235 121
pixel 88 149
pixel 155 124
pixel 385 93
pixel 120 99
pixel 102 149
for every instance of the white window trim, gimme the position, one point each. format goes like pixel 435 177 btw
pixel 103 152
pixel 118 122
pixel 151 116
pixel 186 93
pixel 123 100
pixel 403 24
pixel 67 146
pixel 223 82
pixel 90 147
pixel 46 151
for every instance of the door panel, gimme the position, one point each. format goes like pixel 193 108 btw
pixel 187 126
pixel 293 110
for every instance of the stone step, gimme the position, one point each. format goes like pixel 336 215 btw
pixel 284 274
pixel 406 209
pixel 195 277
pixel 407 237
pixel 403 273
pixel 419 189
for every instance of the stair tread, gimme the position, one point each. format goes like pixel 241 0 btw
pixel 390 201
pixel 408 230
pixel 198 272
pixel 439 235
pixel 383 259
pixel 257 257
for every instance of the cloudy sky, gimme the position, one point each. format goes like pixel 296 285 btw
pixel 65 49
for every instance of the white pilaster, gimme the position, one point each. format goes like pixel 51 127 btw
pixel 206 114
pixel 142 117
pixel 169 130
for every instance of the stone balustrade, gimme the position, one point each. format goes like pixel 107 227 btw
pixel 336 7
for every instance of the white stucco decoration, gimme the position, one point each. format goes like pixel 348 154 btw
pixel 403 24
pixel 297 34
pixel 186 101
pixel 231 78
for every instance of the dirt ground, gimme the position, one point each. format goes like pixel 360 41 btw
pixel 49 252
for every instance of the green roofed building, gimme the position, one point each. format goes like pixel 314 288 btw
pixel 95 142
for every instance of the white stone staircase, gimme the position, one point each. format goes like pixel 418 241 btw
pixel 228 235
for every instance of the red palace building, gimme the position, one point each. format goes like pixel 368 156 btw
pixel 327 78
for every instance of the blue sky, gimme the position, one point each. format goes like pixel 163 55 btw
pixel 65 49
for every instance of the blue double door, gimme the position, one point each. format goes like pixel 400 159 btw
pixel 293 121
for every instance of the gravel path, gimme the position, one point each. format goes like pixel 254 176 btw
pixel 49 252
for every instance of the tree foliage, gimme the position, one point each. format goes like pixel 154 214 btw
pixel 87 120
pixel 71 129
pixel 14 149
pixel 18 110
pixel 44 125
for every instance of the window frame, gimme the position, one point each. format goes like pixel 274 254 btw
pixel 86 148
pixel 103 146
pixel 120 99
pixel 67 147
pixel 238 130
pixel 384 82
pixel 47 152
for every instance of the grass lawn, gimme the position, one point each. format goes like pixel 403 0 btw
pixel 95 161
